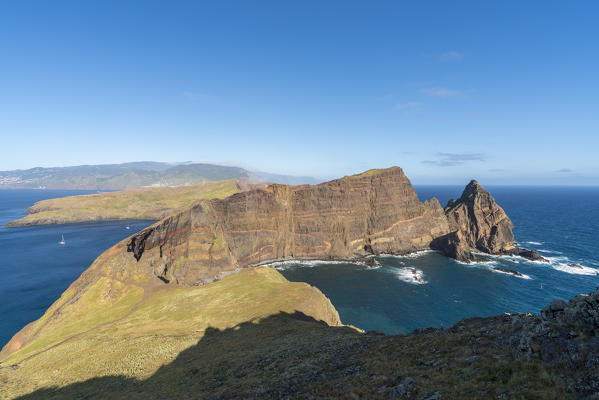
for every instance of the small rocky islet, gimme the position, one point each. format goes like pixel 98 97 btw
pixel 179 309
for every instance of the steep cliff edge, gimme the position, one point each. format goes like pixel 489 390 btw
pixel 478 224
pixel 119 332
pixel 375 212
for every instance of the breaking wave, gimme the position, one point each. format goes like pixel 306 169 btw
pixel 410 275
pixel 549 251
pixel 578 270
pixel 564 264
pixel 287 264
pixel 415 254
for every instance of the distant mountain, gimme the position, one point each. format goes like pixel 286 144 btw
pixel 132 175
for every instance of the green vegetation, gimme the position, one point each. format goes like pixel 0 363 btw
pixel 114 328
pixel 145 203
pixel 373 172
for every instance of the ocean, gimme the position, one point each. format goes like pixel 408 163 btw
pixel 34 268
pixel 561 223
pixel 427 289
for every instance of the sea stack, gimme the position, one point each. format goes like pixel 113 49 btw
pixel 478 224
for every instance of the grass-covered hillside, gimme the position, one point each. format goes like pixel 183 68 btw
pixel 132 327
pixel 144 203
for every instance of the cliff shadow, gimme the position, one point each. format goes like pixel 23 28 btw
pixel 272 358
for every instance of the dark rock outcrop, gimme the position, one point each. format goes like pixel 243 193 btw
pixel 565 334
pixel 483 223
pixel 531 255
pixel 478 224
pixel 509 271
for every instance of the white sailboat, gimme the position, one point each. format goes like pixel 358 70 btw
pixel 62 241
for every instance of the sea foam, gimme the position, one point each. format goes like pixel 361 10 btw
pixel 410 275
pixel 283 265
pixel 575 270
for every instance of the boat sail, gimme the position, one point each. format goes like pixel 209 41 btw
pixel 62 241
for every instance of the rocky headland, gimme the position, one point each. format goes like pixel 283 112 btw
pixel 478 224
pixel 179 309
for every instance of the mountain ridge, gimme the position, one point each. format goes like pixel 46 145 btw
pixel 132 175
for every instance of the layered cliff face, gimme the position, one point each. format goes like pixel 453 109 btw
pixel 486 227
pixel 374 212
pixel 476 223
pixel 119 332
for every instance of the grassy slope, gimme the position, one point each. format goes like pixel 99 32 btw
pixel 143 327
pixel 282 356
pixel 144 203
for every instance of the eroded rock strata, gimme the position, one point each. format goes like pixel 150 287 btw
pixel 374 212
pixel 478 224
pixel 118 332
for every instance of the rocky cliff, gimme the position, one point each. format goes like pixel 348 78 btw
pixel 374 212
pixel 478 224
pixel 119 332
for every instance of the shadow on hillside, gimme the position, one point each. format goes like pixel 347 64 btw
pixel 248 360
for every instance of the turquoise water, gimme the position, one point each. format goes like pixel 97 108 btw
pixel 563 223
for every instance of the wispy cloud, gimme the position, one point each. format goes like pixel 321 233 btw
pixel 565 170
pixel 409 107
pixel 441 92
pixel 190 95
pixel 454 159
pixel 451 56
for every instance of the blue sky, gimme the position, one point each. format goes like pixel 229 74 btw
pixel 506 92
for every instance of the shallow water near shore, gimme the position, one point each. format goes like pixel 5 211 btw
pixel 404 293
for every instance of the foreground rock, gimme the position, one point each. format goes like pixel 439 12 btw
pixel 293 355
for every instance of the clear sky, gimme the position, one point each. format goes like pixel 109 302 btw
pixel 506 92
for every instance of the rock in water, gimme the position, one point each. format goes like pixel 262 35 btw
pixel 483 223
pixel 478 223
pixel 509 271
pixel 531 255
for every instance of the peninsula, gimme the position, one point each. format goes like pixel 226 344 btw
pixel 151 203
pixel 179 309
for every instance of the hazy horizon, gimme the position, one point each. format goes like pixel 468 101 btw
pixel 505 93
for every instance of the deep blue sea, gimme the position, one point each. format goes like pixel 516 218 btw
pixel 561 223
pixel 34 268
